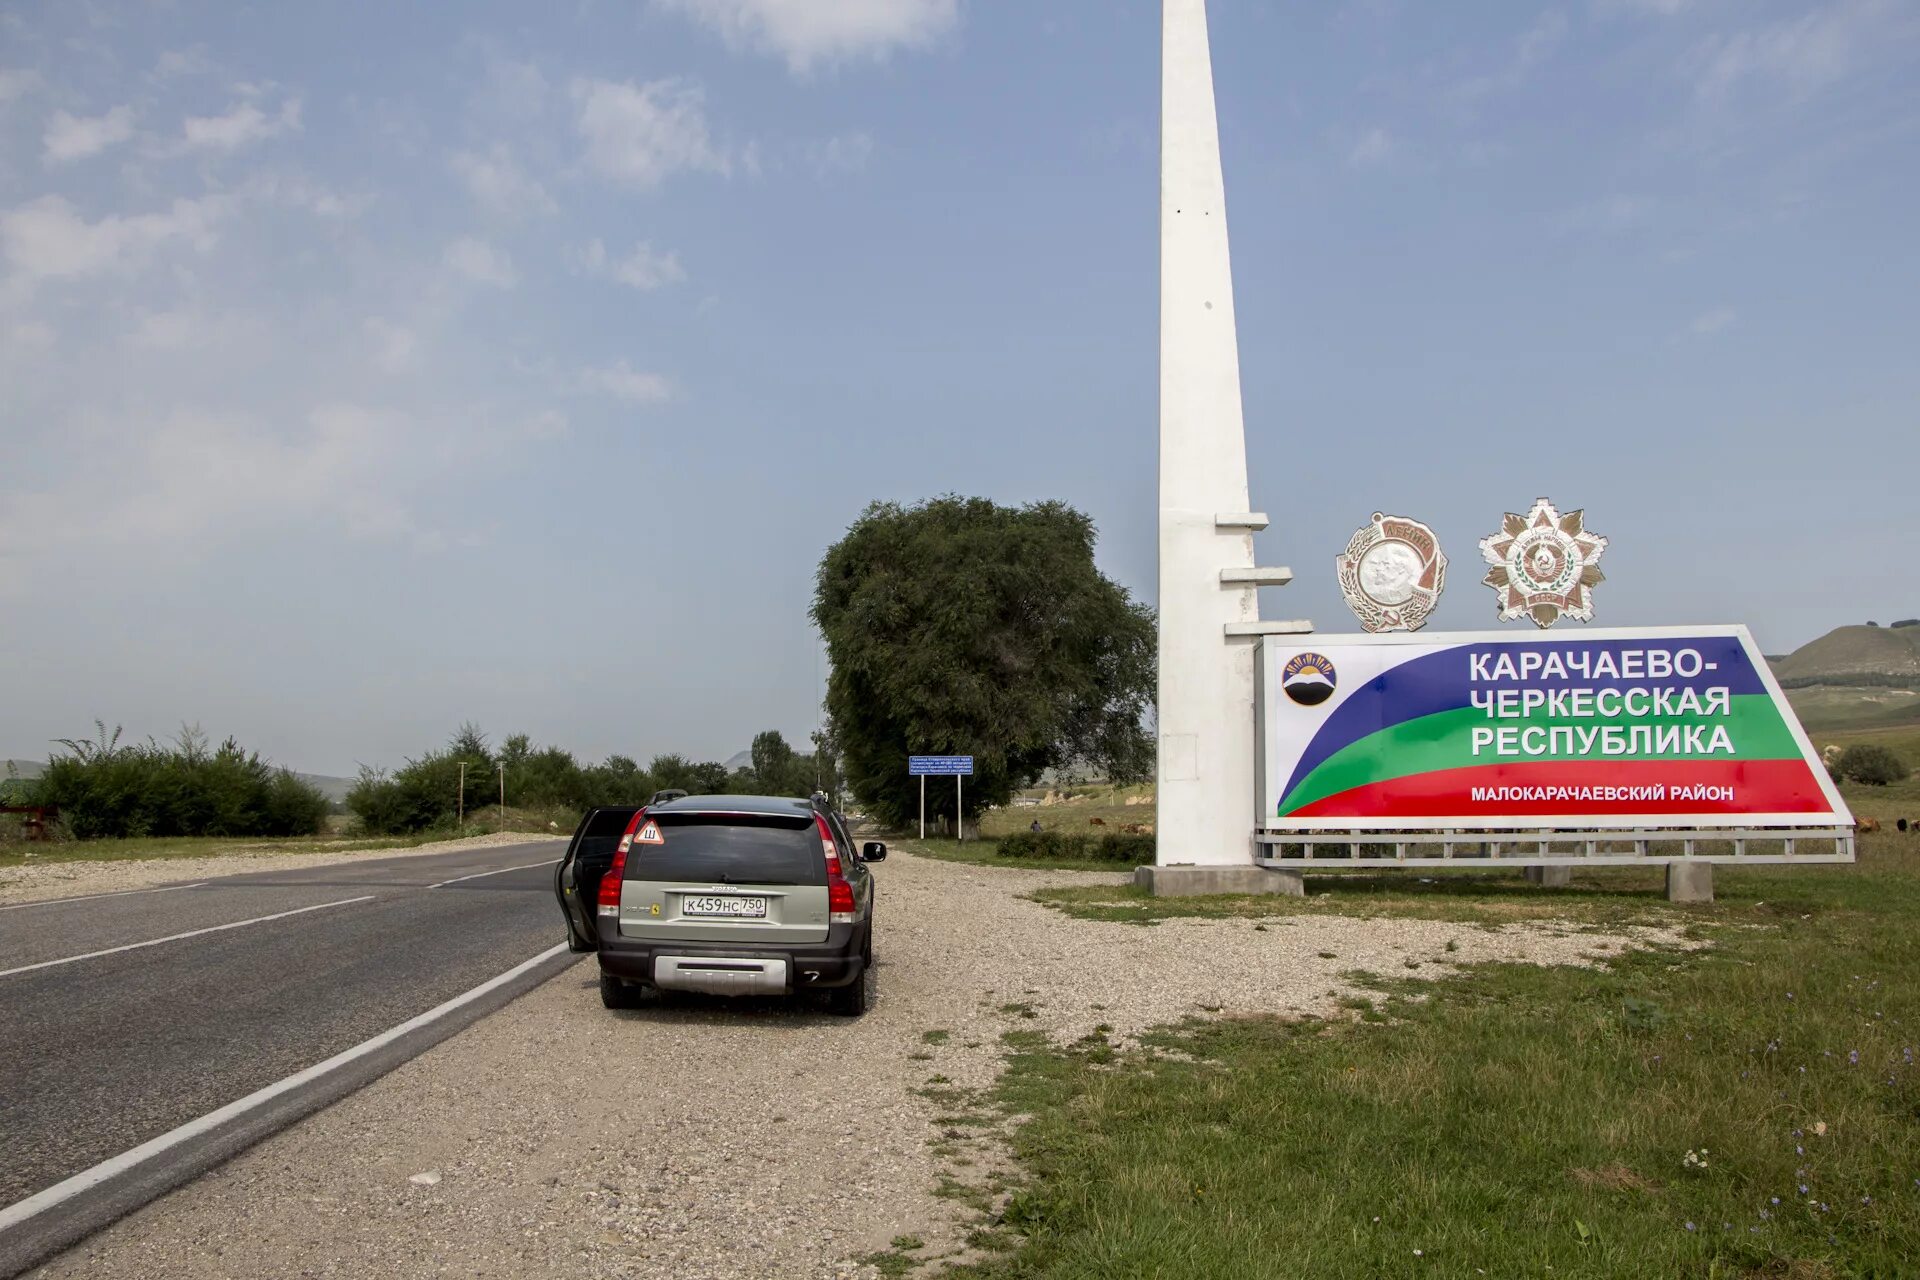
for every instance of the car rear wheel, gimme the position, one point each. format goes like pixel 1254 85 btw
pixel 615 994
pixel 857 996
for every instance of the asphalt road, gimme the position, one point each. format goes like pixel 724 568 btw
pixel 100 1053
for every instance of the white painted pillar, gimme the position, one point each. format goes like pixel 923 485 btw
pixel 1205 782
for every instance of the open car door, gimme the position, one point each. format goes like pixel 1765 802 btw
pixel 576 881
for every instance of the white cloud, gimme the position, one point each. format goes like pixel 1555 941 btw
pixel 643 134
pixel 1611 216
pixel 479 261
pixel 46 239
pixel 644 268
pixel 548 424
pixel 393 345
pixel 191 61
pixel 1662 8
pixel 621 381
pixel 1374 147
pixel 77 137
pixel 30 336
pixel 244 125
pixel 171 331
pixel 517 90
pixel 1713 321
pixel 807 32
pixel 842 153
pixel 193 474
pixel 1803 53
pixel 1534 46
pixel 497 183
pixel 17 83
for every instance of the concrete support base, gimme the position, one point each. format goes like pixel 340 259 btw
pixel 1193 881
pixel 1689 882
pixel 1550 877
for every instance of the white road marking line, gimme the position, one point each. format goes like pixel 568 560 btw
pixel 89 897
pixel 60 1192
pixel 478 875
pixel 191 933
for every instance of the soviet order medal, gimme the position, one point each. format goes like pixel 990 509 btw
pixel 1392 573
pixel 1543 565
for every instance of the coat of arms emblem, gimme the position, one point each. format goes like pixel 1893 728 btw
pixel 1543 565
pixel 1392 573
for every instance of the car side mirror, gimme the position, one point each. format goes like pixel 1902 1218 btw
pixel 873 851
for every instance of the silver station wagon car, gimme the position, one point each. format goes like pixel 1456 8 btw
pixel 736 896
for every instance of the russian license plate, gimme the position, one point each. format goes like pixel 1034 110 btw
pixel 724 907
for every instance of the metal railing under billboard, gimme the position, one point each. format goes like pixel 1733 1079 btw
pixel 1590 847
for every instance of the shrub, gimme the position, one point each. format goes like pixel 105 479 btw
pixel 1871 764
pixel 1112 846
pixel 103 789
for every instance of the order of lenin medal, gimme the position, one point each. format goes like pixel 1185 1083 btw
pixel 1543 565
pixel 1392 573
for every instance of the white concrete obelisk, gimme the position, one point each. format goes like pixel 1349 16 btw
pixel 1205 782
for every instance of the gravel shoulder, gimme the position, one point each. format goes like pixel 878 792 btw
pixel 74 879
pixel 709 1139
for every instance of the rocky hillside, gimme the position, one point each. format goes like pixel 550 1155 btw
pixel 1886 656
pixel 1855 678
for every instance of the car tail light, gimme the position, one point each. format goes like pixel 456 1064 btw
pixel 610 882
pixel 609 896
pixel 840 904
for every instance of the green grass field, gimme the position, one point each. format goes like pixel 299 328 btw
pixel 1108 804
pixel 17 853
pixel 1519 1121
pixel 1512 1120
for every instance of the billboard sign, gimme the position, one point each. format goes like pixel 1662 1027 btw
pixel 1644 727
pixel 939 766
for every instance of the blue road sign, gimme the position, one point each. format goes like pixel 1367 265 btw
pixel 939 766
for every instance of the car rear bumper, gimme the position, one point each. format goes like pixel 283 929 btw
pixel 735 970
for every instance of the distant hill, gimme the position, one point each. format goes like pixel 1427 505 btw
pixel 739 760
pixel 335 789
pixel 1855 678
pixel 1889 656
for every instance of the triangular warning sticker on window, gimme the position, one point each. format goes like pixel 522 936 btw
pixel 650 834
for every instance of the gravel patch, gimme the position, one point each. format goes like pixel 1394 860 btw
pixel 32 883
pixel 705 1138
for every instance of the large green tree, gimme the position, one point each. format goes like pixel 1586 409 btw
pixel 958 626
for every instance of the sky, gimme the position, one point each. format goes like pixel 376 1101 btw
pixel 366 369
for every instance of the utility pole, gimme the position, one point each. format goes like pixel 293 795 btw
pixel 460 811
pixel 503 797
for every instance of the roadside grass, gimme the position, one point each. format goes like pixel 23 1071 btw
pixel 1603 898
pixel 1516 1119
pixel 1901 735
pixel 1629 897
pixel 1076 813
pixel 486 822
pixel 984 853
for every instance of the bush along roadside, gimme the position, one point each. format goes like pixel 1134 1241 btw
pixel 1115 846
pixel 104 789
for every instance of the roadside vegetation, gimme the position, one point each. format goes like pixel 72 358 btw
pixel 106 789
pixel 17 853
pixel 1751 1109
pixel 434 791
pixel 187 799
pixel 958 626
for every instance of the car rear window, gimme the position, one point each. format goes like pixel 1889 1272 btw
pixel 731 848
